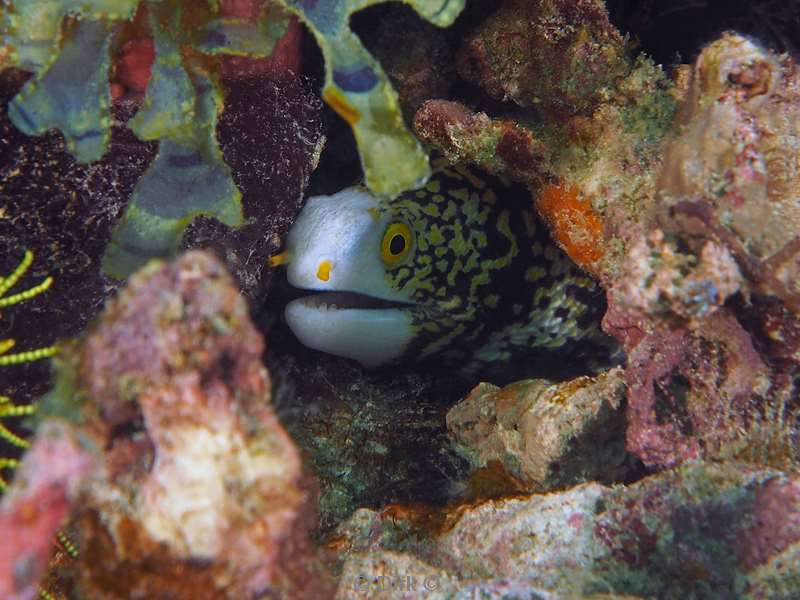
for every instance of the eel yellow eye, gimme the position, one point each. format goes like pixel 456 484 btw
pixel 396 243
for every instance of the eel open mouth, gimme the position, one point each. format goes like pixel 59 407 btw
pixel 370 330
pixel 346 300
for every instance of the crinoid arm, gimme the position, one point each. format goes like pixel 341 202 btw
pixel 6 283
pixel 8 408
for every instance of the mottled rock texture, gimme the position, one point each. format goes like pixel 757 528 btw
pixel 221 508
pixel 588 146
pixel 706 300
pixel 703 530
pixel 680 195
pixel 198 491
pixel 546 434
pixel 560 55
pixel 370 438
pixel 731 173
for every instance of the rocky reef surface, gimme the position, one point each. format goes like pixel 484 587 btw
pixel 181 481
pixel 164 457
pixel 702 530
pixel 680 194
pixel 179 455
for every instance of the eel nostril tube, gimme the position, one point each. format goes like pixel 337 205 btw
pixel 278 259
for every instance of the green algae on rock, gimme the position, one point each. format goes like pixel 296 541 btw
pixel 357 88
pixel 588 145
pixel 369 438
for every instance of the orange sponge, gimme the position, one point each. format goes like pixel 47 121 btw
pixel 573 223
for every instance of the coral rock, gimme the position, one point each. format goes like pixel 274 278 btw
pixel 660 279
pixel 370 438
pixel 704 526
pixel 714 515
pixel 706 300
pixel 498 146
pixel 544 540
pixel 560 55
pixel 776 328
pixel 732 171
pixel 549 435
pixel 203 494
pixel 592 152
pixel 691 392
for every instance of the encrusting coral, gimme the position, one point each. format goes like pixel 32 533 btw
pixel 707 297
pixel 590 150
pixel 679 195
pixel 547 435
pixel 704 530
pixel 205 494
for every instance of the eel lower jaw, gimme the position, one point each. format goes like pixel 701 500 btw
pixel 369 330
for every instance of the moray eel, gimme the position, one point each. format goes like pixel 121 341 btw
pixel 461 270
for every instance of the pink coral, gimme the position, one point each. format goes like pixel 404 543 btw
pixel 730 173
pixel 189 486
pixel 658 278
pixel 690 391
pixel 39 502
pixel 218 482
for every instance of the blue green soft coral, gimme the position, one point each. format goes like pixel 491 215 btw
pixel 67 44
pixel 188 176
pixel 32 29
pixel 72 95
pixel 70 89
pixel 357 88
